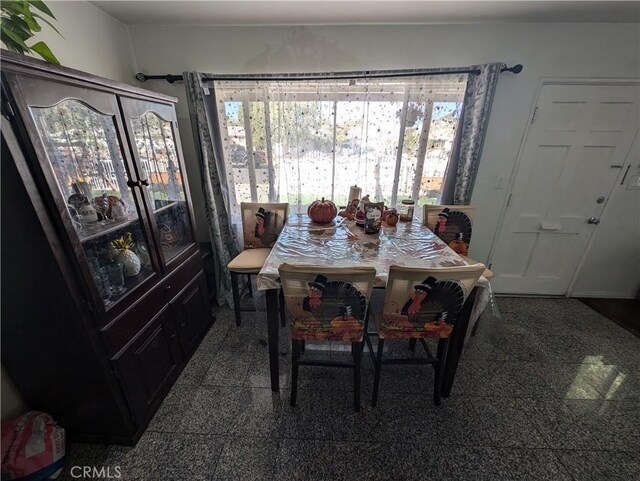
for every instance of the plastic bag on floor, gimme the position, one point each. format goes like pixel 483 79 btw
pixel 33 448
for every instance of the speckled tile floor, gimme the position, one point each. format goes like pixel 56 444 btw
pixel 549 392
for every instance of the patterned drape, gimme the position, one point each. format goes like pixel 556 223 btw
pixel 209 148
pixel 473 125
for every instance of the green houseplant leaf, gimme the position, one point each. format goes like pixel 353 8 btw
pixel 18 24
pixel 41 49
pixel 14 37
pixel 43 8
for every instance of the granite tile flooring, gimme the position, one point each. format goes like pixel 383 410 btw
pixel 550 390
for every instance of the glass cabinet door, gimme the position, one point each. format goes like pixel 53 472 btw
pixel 152 128
pixel 80 137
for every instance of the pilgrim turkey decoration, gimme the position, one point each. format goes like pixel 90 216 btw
pixel 266 229
pixel 454 227
pixel 332 309
pixel 430 310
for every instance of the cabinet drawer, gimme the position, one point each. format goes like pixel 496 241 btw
pixel 148 365
pixel 192 314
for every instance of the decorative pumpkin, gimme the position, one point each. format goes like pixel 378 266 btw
pixel 322 211
pixel 391 219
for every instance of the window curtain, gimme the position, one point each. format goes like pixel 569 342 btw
pixel 297 141
pixel 462 170
pixel 212 169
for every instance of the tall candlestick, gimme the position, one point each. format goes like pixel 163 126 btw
pixel 354 193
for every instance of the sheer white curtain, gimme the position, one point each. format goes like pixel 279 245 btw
pixel 297 141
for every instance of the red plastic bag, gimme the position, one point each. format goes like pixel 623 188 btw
pixel 33 448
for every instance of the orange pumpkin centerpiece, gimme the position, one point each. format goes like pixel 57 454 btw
pixel 391 219
pixel 322 211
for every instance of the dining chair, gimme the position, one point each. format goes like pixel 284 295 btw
pixel 454 225
pixel 421 304
pixel 326 304
pixel 262 223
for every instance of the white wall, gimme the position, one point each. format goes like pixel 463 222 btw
pixel 549 50
pixel 93 42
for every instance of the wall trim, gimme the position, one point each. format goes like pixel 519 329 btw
pixel 603 295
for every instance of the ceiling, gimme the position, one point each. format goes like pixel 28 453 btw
pixel 336 12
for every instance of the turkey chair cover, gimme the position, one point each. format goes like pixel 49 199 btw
pixel 425 303
pixel 262 223
pixel 452 223
pixel 327 303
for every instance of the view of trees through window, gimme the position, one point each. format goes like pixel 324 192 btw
pixel 295 143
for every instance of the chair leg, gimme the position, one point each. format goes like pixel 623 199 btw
pixel 412 344
pixel 356 350
pixel 378 367
pixel 236 296
pixel 249 285
pixel 283 310
pixel 441 356
pixel 295 355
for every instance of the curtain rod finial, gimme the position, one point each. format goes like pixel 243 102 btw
pixel 140 77
pixel 516 69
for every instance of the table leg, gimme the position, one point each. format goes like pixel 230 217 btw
pixel 273 331
pixel 456 344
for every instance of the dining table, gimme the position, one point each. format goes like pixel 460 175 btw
pixel 342 243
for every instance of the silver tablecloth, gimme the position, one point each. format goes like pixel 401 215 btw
pixel 343 244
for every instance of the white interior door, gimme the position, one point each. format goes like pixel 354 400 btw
pixel 573 155
pixel 611 266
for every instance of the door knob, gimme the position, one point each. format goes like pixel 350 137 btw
pixel 593 220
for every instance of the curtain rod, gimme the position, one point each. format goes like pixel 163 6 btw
pixel 172 78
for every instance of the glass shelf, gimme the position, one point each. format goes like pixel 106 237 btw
pixel 96 230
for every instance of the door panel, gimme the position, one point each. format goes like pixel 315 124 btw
pixel 149 364
pixel 192 314
pixel 78 135
pixel 572 155
pixel 152 128
pixel 610 266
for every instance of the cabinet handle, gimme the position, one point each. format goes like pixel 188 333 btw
pixel 138 183
pixel 167 288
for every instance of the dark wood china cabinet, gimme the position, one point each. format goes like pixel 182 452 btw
pixel 104 298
